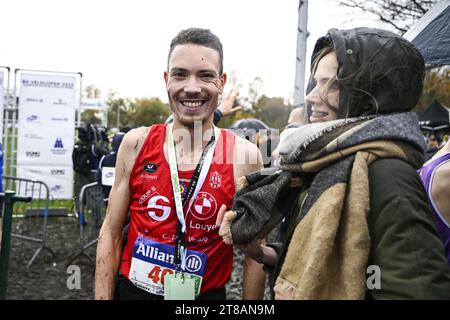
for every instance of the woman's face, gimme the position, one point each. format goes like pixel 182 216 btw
pixel 324 97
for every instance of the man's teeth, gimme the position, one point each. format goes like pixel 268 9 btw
pixel 192 104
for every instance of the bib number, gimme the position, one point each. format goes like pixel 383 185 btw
pixel 153 261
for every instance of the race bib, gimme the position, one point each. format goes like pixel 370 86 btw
pixel 108 176
pixel 152 261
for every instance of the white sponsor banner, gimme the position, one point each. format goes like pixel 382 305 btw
pixel 93 104
pixel 38 148
pixel 58 179
pixel 46 130
pixel 2 101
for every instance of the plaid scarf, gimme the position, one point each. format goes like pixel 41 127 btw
pixel 328 252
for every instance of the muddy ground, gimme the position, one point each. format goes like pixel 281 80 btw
pixel 47 277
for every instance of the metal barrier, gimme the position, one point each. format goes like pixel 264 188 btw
pixel 91 213
pixel 39 193
pixel 9 198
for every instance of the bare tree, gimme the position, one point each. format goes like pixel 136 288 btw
pixel 399 14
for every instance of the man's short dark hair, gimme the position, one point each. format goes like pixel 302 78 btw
pixel 203 37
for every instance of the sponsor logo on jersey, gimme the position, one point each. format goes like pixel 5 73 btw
pixel 204 206
pixel 163 255
pixel 149 176
pixel 193 263
pixel 159 208
pixel 215 180
pixel 146 195
pixel 202 226
pixel 150 167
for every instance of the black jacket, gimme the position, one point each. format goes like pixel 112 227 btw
pixel 405 244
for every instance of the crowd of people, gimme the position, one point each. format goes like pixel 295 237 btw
pixel 363 214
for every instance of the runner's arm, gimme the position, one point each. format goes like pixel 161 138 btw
pixel 109 248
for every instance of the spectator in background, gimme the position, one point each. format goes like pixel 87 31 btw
pixel 432 146
pixel 86 155
pixel 106 167
pixel 433 143
pixel 444 141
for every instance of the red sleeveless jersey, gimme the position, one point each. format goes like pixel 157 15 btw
pixel 151 237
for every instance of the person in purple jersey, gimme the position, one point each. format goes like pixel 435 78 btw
pixel 435 175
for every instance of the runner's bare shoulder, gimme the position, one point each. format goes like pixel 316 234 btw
pixel 133 141
pixel 247 157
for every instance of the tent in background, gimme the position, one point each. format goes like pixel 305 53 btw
pixel 431 34
pixel 435 117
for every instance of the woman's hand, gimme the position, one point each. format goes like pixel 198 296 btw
pixel 283 291
pixel 224 220
pixel 253 250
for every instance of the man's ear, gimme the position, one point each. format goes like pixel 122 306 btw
pixel 223 80
pixel 166 77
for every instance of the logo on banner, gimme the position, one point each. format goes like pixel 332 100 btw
pixel 59 119
pixel 109 175
pixel 60 102
pixel 34 100
pixel 58 144
pixel 35 171
pixel 58 172
pixel 215 181
pixel 58 147
pixel 56 188
pixel 32 136
pixel 33 154
pixel 34 119
pixel 47 84
pixel 204 206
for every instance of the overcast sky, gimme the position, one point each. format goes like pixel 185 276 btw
pixel 122 44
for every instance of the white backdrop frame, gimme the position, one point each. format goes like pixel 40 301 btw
pixel 5 104
pixel 17 76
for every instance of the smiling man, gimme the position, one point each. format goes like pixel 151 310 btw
pixel 173 179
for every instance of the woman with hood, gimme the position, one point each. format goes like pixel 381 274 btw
pixel 359 223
